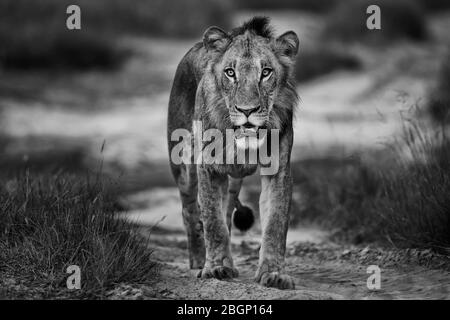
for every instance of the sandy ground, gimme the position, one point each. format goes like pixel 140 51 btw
pixel 340 113
pixel 321 271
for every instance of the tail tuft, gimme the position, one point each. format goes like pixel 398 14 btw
pixel 243 217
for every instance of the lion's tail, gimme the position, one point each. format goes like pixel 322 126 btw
pixel 243 217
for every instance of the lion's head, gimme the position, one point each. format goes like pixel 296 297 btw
pixel 252 72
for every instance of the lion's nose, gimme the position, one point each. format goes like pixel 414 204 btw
pixel 247 110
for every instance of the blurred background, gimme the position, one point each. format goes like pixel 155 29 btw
pixel 371 156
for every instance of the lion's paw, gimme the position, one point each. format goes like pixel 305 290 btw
pixel 276 280
pixel 218 272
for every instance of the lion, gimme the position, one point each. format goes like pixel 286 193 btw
pixel 240 80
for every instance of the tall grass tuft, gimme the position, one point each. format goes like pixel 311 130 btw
pixel 53 221
pixel 415 202
pixel 401 197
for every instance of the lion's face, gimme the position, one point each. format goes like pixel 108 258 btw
pixel 249 74
pixel 252 73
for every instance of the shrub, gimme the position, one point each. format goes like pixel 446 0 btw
pixel 51 222
pixel 435 5
pixel 439 100
pixel 63 50
pixel 34 33
pixel 338 194
pixel 307 5
pixel 399 19
pixel 323 60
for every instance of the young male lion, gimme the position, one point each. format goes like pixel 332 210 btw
pixel 239 80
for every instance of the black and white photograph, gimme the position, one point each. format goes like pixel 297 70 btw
pixel 220 155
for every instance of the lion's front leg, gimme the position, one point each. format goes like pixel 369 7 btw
pixel 274 206
pixel 219 263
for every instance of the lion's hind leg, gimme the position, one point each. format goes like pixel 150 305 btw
pixel 231 199
pixel 186 178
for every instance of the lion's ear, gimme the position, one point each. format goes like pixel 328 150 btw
pixel 215 38
pixel 288 43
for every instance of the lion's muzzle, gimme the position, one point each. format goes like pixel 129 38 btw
pixel 248 116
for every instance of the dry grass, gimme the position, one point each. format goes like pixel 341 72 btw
pixel 400 197
pixel 415 203
pixel 52 221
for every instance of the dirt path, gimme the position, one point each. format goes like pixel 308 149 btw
pixel 321 271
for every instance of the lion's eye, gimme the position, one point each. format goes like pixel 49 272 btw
pixel 230 72
pixel 266 72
